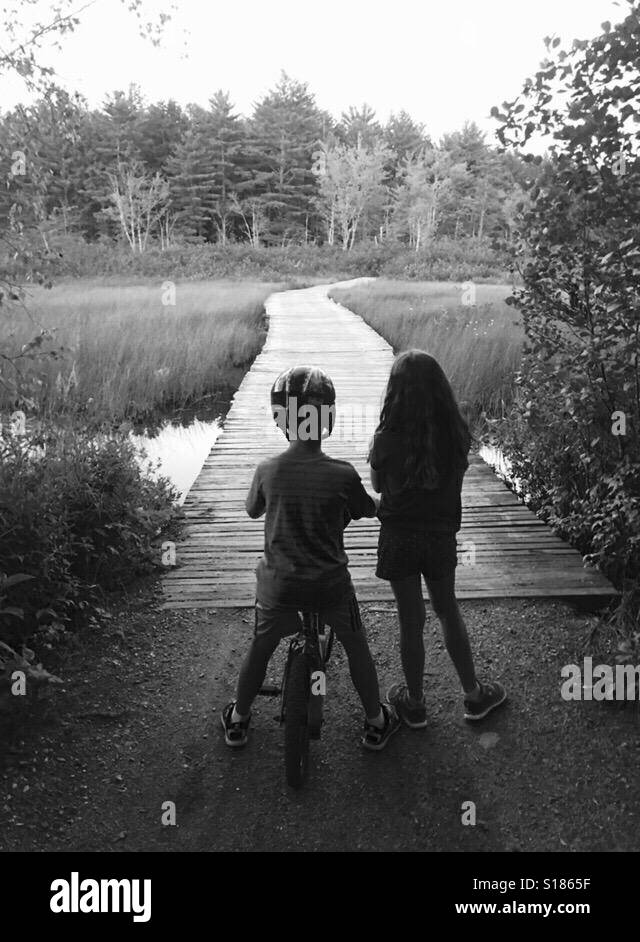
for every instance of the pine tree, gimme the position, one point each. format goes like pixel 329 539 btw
pixel 284 133
pixel 473 194
pixel 192 179
pixel 125 114
pixel 226 136
pixel 106 136
pixel 160 128
pixel 405 138
pixel 97 154
pixel 359 127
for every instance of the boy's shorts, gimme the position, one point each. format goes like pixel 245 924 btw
pixel 408 553
pixel 343 618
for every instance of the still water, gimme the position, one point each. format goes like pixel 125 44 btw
pixel 181 450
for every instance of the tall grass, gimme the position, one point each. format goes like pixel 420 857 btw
pixel 129 355
pixel 478 346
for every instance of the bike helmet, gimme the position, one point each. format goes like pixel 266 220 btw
pixel 308 388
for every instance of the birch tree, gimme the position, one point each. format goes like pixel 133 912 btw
pixel 139 202
pixel 253 215
pixel 352 183
pixel 427 181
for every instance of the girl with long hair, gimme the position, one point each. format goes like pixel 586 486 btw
pixel 418 459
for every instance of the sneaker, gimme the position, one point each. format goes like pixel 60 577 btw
pixel 375 738
pixel 413 716
pixel 491 696
pixel 235 734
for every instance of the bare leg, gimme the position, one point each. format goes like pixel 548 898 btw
pixel 362 669
pixel 253 670
pixel 354 640
pixel 456 639
pixel 411 613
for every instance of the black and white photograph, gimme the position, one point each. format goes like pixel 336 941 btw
pixel 319 446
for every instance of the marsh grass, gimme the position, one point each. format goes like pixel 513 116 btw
pixel 128 355
pixel 478 346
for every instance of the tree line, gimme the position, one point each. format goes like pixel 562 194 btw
pixel 288 174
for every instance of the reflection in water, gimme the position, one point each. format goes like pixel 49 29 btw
pixel 181 449
pixel 503 468
pixel 497 460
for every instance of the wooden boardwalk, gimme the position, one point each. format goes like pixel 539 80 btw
pixel 504 550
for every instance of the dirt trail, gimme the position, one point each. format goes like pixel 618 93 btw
pixel 138 726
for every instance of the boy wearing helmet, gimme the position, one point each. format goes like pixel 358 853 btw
pixel 308 498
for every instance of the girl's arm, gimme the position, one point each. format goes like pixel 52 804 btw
pixel 376 480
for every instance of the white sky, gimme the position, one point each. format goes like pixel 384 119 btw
pixel 443 62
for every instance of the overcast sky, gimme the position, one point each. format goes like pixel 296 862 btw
pixel 443 62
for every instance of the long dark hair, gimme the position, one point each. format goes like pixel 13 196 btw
pixel 420 405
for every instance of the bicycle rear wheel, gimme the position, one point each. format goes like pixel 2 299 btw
pixel 296 727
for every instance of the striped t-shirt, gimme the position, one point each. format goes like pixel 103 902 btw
pixel 308 500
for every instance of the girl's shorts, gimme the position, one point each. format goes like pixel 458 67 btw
pixel 407 553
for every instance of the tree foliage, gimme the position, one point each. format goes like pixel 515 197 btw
pixel 574 431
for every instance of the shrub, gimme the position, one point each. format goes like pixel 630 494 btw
pixel 77 515
pixel 573 432
pixel 443 259
pixel 449 259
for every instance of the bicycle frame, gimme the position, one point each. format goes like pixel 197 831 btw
pixel 314 641
pixel 301 709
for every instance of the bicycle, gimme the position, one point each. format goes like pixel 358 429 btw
pixel 302 694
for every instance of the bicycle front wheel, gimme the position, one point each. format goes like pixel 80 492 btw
pixel 296 727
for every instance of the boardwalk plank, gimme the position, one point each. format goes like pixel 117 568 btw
pixel 516 554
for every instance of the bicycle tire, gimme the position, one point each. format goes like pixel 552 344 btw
pixel 316 701
pixel 296 727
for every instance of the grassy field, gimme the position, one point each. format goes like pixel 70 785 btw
pixel 129 354
pixel 478 345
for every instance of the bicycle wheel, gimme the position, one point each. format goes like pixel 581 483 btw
pixel 296 727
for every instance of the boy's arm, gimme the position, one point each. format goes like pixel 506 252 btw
pixel 348 518
pixel 359 503
pixel 376 480
pixel 255 503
